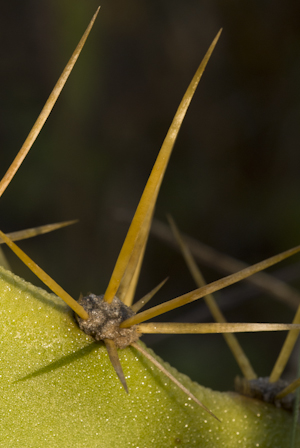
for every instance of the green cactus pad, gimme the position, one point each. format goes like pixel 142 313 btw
pixel 58 389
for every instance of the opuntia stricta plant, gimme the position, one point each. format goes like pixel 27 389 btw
pixel 75 371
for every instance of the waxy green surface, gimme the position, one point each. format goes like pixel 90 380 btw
pixel 58 389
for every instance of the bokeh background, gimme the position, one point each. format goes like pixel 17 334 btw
pixel 233 179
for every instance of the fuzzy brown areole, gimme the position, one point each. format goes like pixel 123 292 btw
pixel 105 318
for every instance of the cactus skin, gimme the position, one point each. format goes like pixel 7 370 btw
pixel 58 389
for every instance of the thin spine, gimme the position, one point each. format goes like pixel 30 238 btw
pixel 144 300
pixel 151 190
pixel 209 289
pixel 35 231
pixel 130 293
pixel 45 111
pixel 29 233
pixel 229 265
pixel 46 279
pixel 114 359
pixel 288 389
pixel 172 378
pixel 210 328
pixel 286 351
pixel 232 342
pixel 130 278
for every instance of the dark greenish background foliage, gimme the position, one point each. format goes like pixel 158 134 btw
pixel 233 181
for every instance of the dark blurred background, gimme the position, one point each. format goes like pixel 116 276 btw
pixel 233 179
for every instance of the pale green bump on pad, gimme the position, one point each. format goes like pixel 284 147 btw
pixel 58 389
